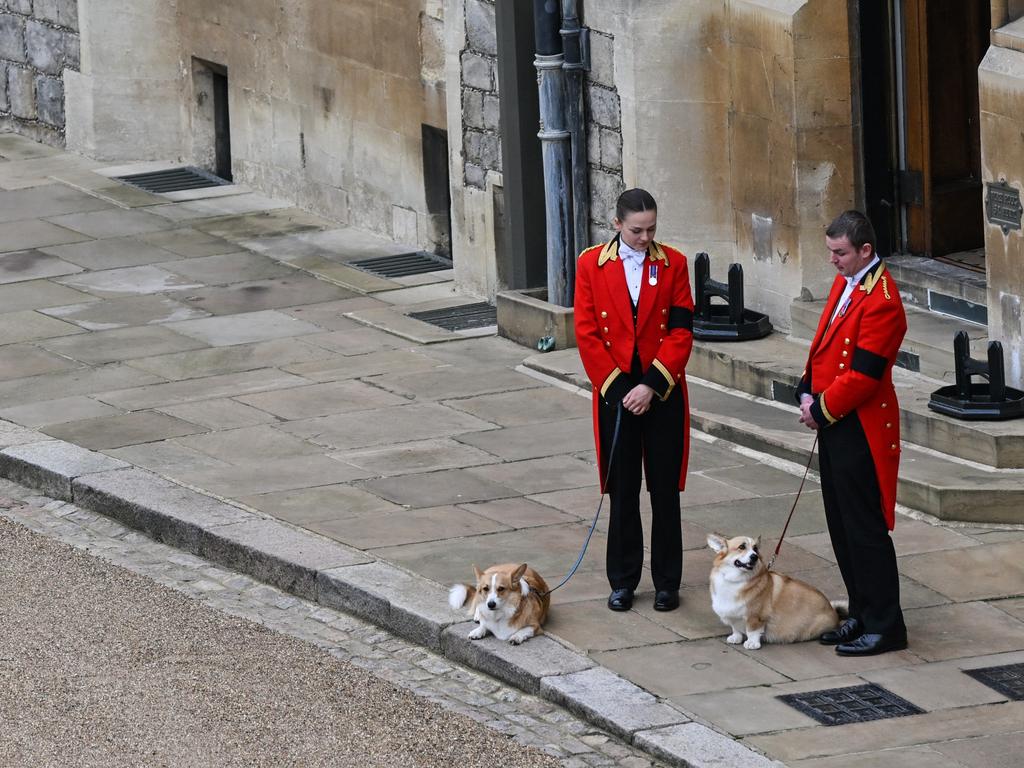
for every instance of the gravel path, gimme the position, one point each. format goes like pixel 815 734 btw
pixel 102 667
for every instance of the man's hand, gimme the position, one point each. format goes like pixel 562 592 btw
pixel 806 401
pixel 638 400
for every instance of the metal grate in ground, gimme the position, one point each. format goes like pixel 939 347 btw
pixel 173 180
pixel 461 318
pixel 1007 680
pixel 856 704
pixel 402 264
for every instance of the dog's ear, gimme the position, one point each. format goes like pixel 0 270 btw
pixel 717 542
pixel 478 572
pixel 757 541
pixel 517 576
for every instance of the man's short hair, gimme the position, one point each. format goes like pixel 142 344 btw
pixel 854 225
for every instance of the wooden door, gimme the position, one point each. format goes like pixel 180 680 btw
pixel 944 42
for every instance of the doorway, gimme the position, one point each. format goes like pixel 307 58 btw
pixel 921 135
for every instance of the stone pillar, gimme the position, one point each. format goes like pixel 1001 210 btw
pixel 1001 98
pixel 126 103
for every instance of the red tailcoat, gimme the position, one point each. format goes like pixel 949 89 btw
pixel 849 370
pixel 662 336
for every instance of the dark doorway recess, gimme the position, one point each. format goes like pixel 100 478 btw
pixel 436 183
pixel 221 125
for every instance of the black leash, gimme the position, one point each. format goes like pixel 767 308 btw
pixel 800 490
pixel 593 525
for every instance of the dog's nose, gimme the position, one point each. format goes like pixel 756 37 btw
pixel 753 557
pixel 491 604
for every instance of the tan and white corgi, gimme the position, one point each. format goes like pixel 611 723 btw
pixel 761 604
pixel 509 601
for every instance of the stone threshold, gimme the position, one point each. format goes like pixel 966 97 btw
pixel 343 578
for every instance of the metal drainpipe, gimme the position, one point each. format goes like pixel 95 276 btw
pixel 575 66
pixel 555 150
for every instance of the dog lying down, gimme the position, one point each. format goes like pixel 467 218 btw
pixel 762 604
pixel 509 601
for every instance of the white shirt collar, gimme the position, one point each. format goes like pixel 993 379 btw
pixel 631 254
pixel 853 281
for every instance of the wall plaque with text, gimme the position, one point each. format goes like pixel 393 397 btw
pixel 1002 205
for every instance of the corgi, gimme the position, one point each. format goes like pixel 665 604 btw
pixel 761 604
pixel 509 601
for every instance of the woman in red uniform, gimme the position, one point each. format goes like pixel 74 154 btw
pixel 634 330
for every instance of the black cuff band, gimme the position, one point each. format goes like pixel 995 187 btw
pixel 680 317
pixel 868 363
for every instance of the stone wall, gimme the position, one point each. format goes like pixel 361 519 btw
pixel 481 140
pixel 38 41
pixel 604 136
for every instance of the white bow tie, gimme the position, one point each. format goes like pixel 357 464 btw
pixel 631 254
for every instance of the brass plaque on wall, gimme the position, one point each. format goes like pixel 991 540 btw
pixel 1002 205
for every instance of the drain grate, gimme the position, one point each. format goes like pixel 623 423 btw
pixel 1007 680
pixel 460 318
pixel 403 264
pixel 857 704
pixel 173 180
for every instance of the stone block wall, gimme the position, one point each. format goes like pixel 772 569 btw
pixel 481 140
pixel 604 136
pixel 38 41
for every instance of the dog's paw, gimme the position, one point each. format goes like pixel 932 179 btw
pixel 752 644
pixel 520 637
pixel 734 638
pixel 478 633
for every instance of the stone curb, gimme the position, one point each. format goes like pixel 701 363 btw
pixel 318 569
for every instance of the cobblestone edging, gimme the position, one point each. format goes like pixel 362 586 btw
pixel 349 580
pixel 38 40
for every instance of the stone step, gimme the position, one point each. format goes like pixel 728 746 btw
pixel 943 486
pixel 927 347
pixel 935 285
pixel 771 367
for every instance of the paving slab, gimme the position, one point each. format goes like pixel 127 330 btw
pixel 128 281
pixel 444 383
pixel 38 170
pixel 385 426
pixel 107 314
pixel 230 358
pixel 235 204
pixel 110 223
pixel 21 266
pixel 358 341
pixel 521 665
pixel 761 479
pixel 57 411
pixel 974 573
pixel 330 315
pixel 677 669
pixel 962 629
pixel 397 323
pixel 247 444
pixel 1001 751
pixel 693 744
pixel 30 326
pixel 46 200
pixel 911 537
pixel 52 465
pixel 111 253
pixel 538 475
pixel 276 222
pixel 35 233
pixel 340 243
pixel 911 757
pixel 244 328
pixel 322 399
pixel 185 241
pixel 208 388
pixel 803 661
pixel 287 473
pixel 762 514
pixel 118 431
pixel 338 274
pixel 588 625
pixel 334 503
pixel 609 701
pixel 119 344
pixel 16 147
pixel 165 457
pixel 226 268
pixel 402 602
pixel 434 489
pixel 416 456
pixel 20 360
pixel 534 440
pixel 38 294
pixel 332 367
pixel 14 434
pixel 78 381
pixel 219 414
pixel 403 526
pixel 942 685
pixel 520 512
pixel 525 406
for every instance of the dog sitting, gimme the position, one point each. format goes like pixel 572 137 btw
pixel 762 604
pixel 509 601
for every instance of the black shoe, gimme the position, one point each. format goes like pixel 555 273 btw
pixel 848 631
pixel 621 599
pixel 870 644
pixel 666 600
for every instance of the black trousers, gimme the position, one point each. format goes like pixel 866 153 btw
pixel 652 443
pixel 860 537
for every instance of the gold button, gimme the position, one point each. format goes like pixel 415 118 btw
pixel 842 366
pixel 846 341
pixel 660 340
pixel 605 329
pixel 845 353
pixel 888 425
pixel 893 446
pixel 884 404
pixel 607 343
pixel 663 326
pixel 604 315
pixel 664 311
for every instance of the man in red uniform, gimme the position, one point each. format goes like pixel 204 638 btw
pixel 846 393
pixel 634 330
